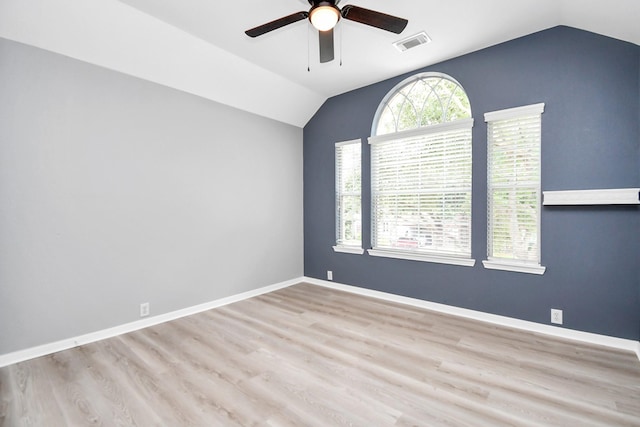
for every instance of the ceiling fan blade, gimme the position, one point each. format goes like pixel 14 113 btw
pixel 278 23
pixel 375 19
pixel 326 45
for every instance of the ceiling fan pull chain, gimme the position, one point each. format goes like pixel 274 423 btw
pixel 308 50
pixel 340 37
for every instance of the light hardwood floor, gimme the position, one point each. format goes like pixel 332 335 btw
pixel 311 356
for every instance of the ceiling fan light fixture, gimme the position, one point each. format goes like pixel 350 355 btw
pixel 324 16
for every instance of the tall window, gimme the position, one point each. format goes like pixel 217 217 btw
pixel 348 197
pixel 513 189
pixel 421 172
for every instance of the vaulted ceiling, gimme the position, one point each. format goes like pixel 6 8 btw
pixel 199 46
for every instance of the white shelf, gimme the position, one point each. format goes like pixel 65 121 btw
pixel 615 196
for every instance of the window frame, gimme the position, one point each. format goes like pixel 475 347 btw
pixel 433 129
pixel 509 264
pixel 339 225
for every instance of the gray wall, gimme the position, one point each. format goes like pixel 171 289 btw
pixel 590 139
pixel 115 191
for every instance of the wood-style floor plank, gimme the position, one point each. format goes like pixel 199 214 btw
pixel 311 356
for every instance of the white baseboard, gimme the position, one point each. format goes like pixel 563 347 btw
pixel 43 350
pixel 586 337
pixel 570 334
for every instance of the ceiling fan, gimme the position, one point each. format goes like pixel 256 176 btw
pixel 325 14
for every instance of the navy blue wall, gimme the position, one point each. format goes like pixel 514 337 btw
pixel 590 139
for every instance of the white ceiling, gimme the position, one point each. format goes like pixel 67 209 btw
pixel 199 46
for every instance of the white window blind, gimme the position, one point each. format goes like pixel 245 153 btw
pixel 348 196
pixel 513 186
pixel 421 191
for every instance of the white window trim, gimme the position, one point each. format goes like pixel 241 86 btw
pixel 504 264
pixel 350 249
pixel 416 256
pixel 512 113
pixel 427 130
pixel 493 264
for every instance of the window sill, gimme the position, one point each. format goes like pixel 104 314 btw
pixel 349 250
pixel 513 266
pixel 466 262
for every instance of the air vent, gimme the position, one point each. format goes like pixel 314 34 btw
pixel 411 42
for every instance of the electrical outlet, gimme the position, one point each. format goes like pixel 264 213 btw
pixel 144 309
pixel 329 275
pixel 556 316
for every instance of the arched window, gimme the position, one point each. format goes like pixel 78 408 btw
pixel 423 100
pixel 421 172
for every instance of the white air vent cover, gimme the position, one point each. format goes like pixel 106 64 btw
pixel 412 41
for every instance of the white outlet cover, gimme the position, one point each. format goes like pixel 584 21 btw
pixel 556 316
pixel 144 309
pixel 329 275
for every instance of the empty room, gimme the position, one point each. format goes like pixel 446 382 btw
pixel 319 213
